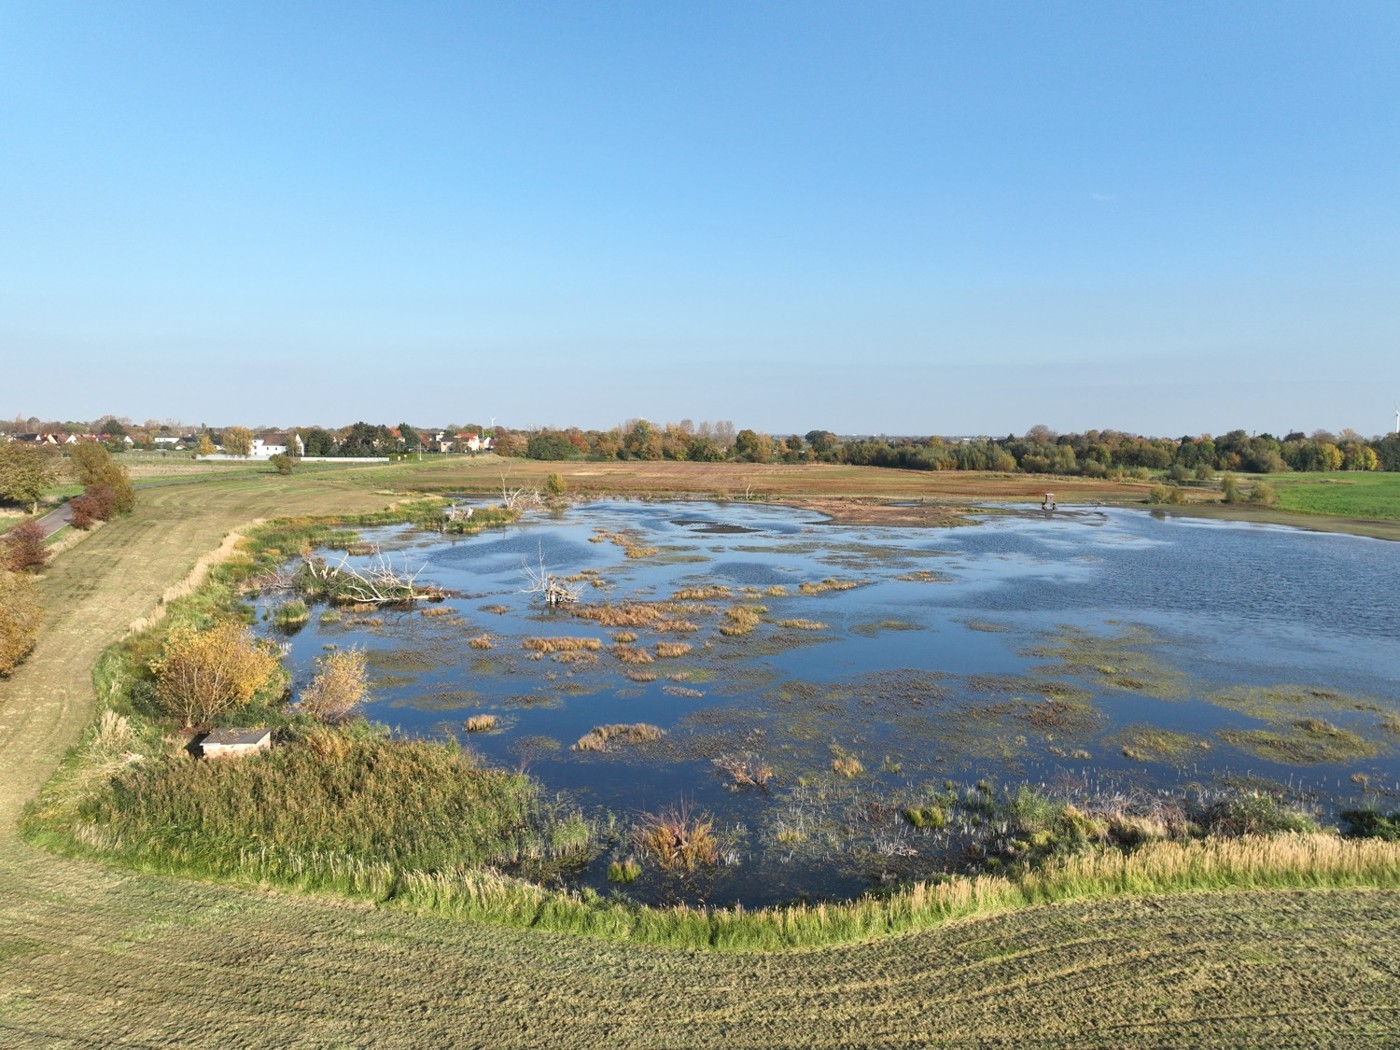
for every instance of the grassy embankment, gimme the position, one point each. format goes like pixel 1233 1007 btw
pixel 179 961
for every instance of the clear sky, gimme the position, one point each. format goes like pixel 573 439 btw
pixel 893 217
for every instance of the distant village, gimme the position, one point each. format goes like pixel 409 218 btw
pixel 362 440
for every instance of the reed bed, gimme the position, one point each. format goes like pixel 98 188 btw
pixel 481 723
pixel 741 620
pixel 411 804
pixel 632 614
pixel 630 654
pixel 672 650
pixel 631 547
pixel 676 626
pixel 702 594
pixel 574 658
pixel 829 584
pixel 803 625
pixel 482 641
pixel 601 738
pixel 681 690
pixel 1294 861
pixel 562 645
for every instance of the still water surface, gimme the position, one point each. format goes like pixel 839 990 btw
pixel 941 665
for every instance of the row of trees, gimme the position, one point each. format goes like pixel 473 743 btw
pixel 26 473
pixel 1039 450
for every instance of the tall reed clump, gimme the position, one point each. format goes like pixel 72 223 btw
pixel 291 614
pixel 677 839
pixel 330 793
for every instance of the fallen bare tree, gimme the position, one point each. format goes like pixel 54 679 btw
pixel 517 498
pixel 379 583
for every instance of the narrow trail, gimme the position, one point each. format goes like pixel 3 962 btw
pixel 92 956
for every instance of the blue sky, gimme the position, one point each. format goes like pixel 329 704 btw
pixel 865 217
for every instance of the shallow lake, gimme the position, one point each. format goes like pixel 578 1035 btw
pixel 1084 652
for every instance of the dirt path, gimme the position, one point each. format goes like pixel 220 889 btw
pixel 91 956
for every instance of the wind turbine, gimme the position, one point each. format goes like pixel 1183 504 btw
pixel 1397 419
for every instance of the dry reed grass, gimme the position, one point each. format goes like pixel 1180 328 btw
pixel 744 770
pixel 672 650
pixel 629 654
pixel 741 619
pixel 600 737
pixel 562 645
pixel 702 594
pixel 482 641
pixel 829 584
pixel 802 625
pixel 481 723
pixel 681 690
pixel 677 839
pixel 847 766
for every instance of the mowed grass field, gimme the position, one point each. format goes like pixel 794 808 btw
pixel 96 956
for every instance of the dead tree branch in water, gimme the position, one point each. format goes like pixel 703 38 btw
pixel 539 581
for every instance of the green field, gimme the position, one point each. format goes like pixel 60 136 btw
pixel 94 955
pixel 1369 496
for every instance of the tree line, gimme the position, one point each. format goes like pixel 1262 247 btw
pixel 1093 453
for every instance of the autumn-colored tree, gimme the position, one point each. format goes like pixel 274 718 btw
pixel 238 441
pixel 20 617
pixel 206 445
pixel 103 479
pixel 338 688
pixel 201 674
pixel 22 549
pixel 26 472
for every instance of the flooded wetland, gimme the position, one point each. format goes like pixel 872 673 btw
pixel 803 710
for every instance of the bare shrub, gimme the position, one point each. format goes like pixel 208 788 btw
pixel 338 688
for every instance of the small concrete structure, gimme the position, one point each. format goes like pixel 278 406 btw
pixel 231 743
pixel 1048 503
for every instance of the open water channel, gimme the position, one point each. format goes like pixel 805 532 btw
pixel 1086 652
